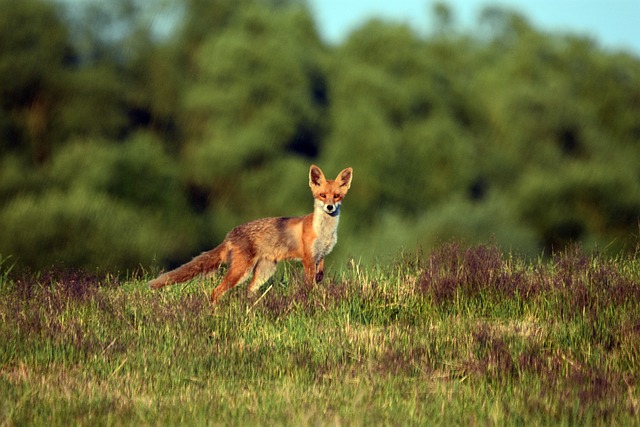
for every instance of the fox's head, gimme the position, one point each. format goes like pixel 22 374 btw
pixel 328 194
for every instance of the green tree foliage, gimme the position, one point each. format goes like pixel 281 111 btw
pixel 253 102
pixel 122 145
pixel 589 202
pixel 34 51
pixel 101 205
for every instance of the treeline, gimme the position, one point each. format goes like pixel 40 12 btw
pixel 137 133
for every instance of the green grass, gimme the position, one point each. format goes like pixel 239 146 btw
pixel 459 336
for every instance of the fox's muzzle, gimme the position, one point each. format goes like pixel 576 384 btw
pixel 332 210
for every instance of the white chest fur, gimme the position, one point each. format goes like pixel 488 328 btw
pixel 326 228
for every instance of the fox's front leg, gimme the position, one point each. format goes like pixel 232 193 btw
pixel 320 271
pixel 309 265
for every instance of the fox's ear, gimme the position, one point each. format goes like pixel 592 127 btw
pixel 316 177
pixel 344 178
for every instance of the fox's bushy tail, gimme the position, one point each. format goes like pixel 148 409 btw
pixel 206 262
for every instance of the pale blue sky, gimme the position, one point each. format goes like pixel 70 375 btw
pixel 614 24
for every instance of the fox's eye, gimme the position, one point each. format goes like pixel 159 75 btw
pixel 323 196
pixel 336 196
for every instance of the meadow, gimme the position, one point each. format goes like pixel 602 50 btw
pixel 463 335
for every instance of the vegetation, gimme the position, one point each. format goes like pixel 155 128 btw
pixel 123 144
pixel 462 335
pixel 134 134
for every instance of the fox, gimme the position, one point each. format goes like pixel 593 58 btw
pixel 254 249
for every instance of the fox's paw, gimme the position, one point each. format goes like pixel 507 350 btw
pixel 216 294
pixel 319 276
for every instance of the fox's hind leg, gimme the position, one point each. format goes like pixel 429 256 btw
pixel 263 270
pixel 239 269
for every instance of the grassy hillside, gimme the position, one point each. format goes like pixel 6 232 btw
pixel 463 335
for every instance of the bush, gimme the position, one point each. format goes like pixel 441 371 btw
pixel 105 206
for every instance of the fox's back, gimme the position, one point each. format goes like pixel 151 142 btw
pixel 275 238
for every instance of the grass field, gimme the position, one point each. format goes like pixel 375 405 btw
pixel 460 336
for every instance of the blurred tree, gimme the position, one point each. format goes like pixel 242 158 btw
pixel 255 98
pixel 122 143
pixel 34 53
pixel 592 203
pixel 127 76
pixel 394 98
pixel 87 230
pixel 92 105
pixel 443 18
pixel 103 206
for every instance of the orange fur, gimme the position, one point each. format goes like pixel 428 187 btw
pixel 253 249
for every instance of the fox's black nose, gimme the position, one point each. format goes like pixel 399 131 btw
pixel 330 208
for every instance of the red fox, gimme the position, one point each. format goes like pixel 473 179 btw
pixel 256 247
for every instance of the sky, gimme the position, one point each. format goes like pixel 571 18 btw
pixel 613 24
